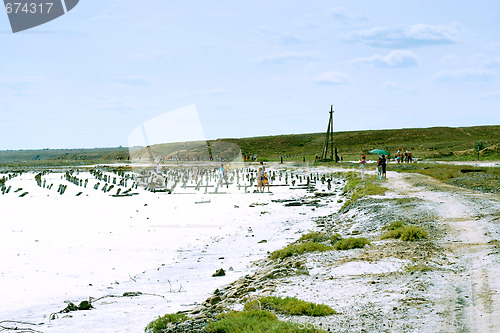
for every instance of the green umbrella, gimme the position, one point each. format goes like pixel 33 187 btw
pixel 379 152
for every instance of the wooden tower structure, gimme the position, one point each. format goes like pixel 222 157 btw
pixel 329 151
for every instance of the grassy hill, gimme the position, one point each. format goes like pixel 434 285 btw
pixel 444 143
pixel 430 143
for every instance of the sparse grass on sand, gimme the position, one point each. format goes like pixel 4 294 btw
pixel 418 268
pixel 359 188
pixel 399 230
pixel 290 306
pixel 351 243
pixel 159 324
pixel 292 249
pixel 320 237
pixel 313 236
pixel 255 321
pixel 476 178
pixel 335 240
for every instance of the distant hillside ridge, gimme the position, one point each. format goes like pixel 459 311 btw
pixel 434 142
pixel 428 143
pixel 77 154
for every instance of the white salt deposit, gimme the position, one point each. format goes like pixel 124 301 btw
pixel 385 265
pixel 66 248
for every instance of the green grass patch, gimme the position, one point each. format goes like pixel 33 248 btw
pixel 335 238
pixel 316 237
pixel 487 180
pixel 406 233
pixel 290 306
pixel 158 325
pixel 255 321
pixel 396 234
pixel 292 249
pixel 394 225
pixel 413 233
pixel 360 188
pixel 351 243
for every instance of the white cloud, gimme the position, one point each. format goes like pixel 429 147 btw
pixel 463 75
pixel 392 85
pixel 283 57
pixel 132 80
pixel 343 16
pixel 19 86
pixel 493 45
pixel 395 59
pixel 278 36
pixel 113 103
pixel 331 78
pixel 150 55
pixel 493 95
pixel 109 17
pixel 405 37
pixel 492 62
pixel 215 91
pixel 450 59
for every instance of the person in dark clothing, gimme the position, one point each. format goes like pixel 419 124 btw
pixel 381 166
pixel 384 167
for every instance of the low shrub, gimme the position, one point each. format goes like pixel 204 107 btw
pixel 292 249
pixel 351 243
pixel 316 237
pixel 255 321
pixel 335 238
pixel 413 233
pixel 290 306
pixel 396 233
pixel 406 233
pixel 394 225
pixel 158 325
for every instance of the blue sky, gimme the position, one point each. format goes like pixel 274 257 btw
pixel 251 68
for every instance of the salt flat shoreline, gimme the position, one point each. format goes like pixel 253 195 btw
pixel 371 288
pixel 67 248
pixel 448 282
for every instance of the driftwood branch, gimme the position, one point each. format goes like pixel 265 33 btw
pixel 12 325
pixel 72 307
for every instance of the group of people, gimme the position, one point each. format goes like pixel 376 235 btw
pixel 405 157
pixel 262 178
pixel 381 166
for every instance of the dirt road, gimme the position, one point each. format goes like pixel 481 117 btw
pixel 449 282
pixel 472 225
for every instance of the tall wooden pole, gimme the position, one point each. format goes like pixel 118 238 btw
pixel 329 138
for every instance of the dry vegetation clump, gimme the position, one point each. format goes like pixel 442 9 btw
pixel 317 237
pixel 290 306
pixel 292 249
pixel 254 321
pixel 161 323
pixel 398 230
pixel 351 243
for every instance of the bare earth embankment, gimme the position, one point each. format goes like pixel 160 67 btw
pixel 447 282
